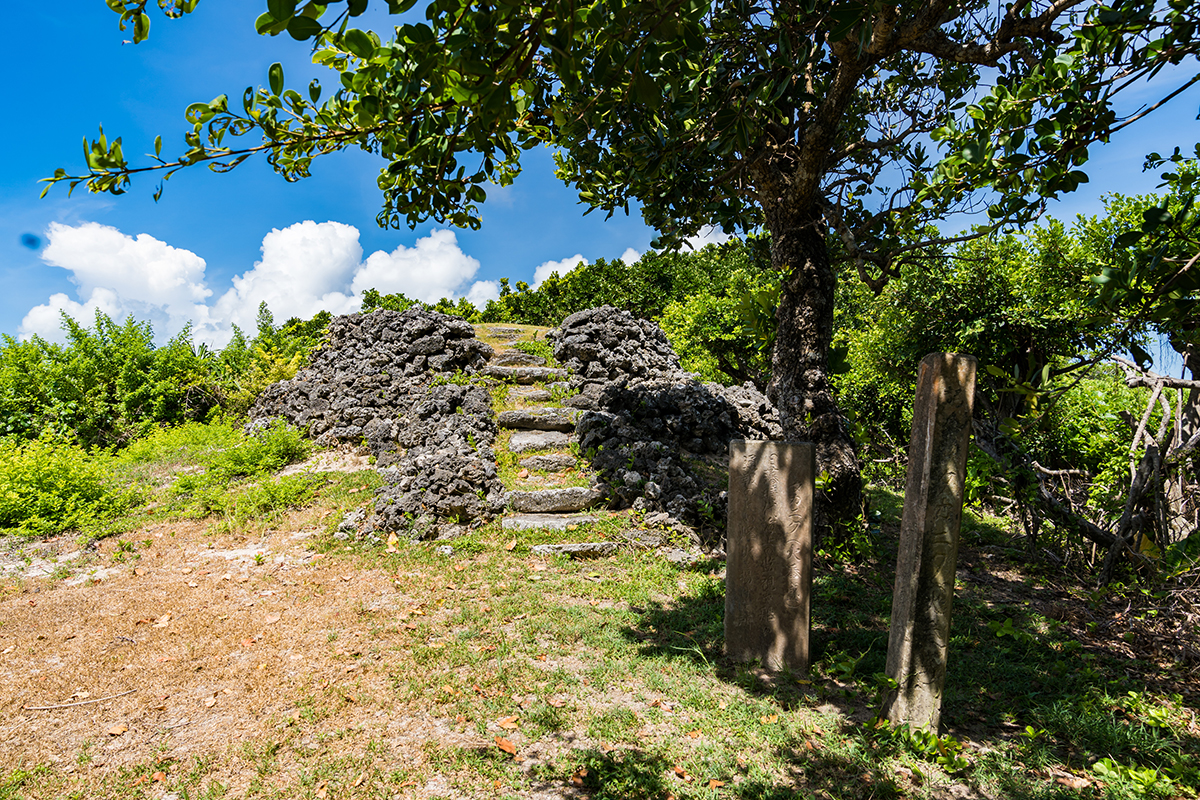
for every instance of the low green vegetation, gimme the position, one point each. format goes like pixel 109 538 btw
pixel 49 484
pixel 544 674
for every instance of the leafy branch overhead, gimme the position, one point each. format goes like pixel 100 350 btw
pixel 705 113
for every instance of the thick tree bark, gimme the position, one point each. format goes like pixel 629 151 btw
pixel 799 384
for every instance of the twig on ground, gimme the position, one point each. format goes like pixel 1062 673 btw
pixel 80 703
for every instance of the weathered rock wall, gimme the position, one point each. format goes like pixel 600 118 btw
pixel 657 436
pixel 370 370
pixel 382 378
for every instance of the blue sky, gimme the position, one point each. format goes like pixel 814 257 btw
pixel 207 249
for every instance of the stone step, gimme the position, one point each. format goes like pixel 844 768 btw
pixel 553 522
pixel 576 549
pixel 525 441
pixel 525 374
pixel 517 358
pixel 529 394
pixel 539 419
pixel 551 501
pixel 552 462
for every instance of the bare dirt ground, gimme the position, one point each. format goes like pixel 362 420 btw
pixel 198 643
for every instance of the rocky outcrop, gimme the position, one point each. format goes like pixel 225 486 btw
pixel 371 368
pixel 383 379
pixel 603 347
pixel 654 433
pixel 446 478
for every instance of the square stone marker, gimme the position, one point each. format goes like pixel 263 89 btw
pixel 927 559
pixel 768 562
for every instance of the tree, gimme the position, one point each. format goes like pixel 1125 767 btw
pixel 808 118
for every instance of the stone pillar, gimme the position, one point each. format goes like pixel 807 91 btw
pixel 768 563
pixel 933 497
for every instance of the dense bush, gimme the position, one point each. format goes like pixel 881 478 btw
pixel 49 485
pixel 109 384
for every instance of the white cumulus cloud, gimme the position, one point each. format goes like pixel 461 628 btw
pixel 305 268
pixel 710 235
pixel 433 268
pixel 120 275
pixel 630 256
pixel 544 271
pixel 482 291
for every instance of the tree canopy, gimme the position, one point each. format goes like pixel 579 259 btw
pixel 815 121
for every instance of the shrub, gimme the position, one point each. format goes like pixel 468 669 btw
pixel 267 450
pixel 49 485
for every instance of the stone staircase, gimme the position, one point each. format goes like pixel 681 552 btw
pixel 541 438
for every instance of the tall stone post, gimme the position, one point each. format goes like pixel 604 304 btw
pixel 768 563
pixel 933 497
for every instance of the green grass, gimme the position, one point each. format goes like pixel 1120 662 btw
pixel 613 671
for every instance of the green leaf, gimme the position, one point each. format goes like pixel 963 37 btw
pixel 264 23
pixel 357 7
pixel 157 145
pixel 275 76
pixel 281 9
pixel 301 28
pixel 973 153
pixel 1128 239
pixel 359 42
pixel 1154 216
pixel 1142 358
pixel 314 90
pixel 141 28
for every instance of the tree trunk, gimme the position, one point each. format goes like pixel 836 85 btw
pixel 799 384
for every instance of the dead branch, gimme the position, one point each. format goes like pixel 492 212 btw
pixel 80 703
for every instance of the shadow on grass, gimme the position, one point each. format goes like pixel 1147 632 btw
pixel 1018 684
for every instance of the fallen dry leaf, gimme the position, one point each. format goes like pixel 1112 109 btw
pixel 139 571
pixel 209 702
pixel 359 780
pixel 694 734
pixel 681 773
pixel 769 719
pixel 273 618
pixel 1073 782
pixel 323 790
pixel 511 545
pixel 392 541
pixel 578 776
pixel 163 621
pixel 506 745
pixel 713 783
pixel 509 723
pixel 555 703
pixel 117 730
pixel 158 777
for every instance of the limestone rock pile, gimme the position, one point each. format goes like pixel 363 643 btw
pixel 657 435
pixel 602 347
pixel 369 371
pixel 383 378
pixel 446 477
